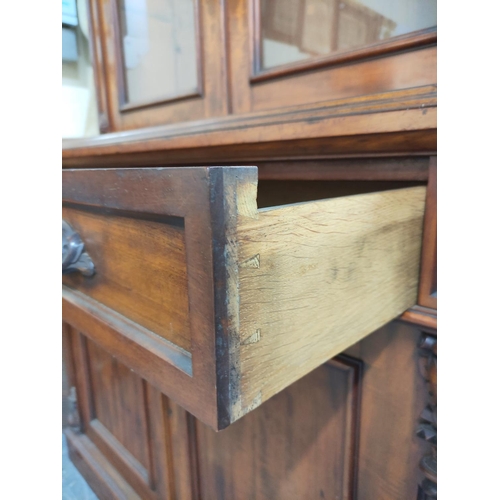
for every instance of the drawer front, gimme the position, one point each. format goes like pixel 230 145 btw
pixel 142 271
pixel 221 305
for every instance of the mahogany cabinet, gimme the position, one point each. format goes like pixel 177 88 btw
pixel 163 62
pixel 249 253
pixel 346 430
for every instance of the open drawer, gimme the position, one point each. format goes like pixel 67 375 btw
pixel 217 303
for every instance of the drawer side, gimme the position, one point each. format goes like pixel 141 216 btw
pixel 314 278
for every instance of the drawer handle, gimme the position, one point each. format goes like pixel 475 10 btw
pixel 73 256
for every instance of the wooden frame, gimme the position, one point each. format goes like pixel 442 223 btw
pixel 378 168
pixel 98 66
pixel 355 368
pixel 378 76
pixel 208 100
pixel 138 349
pixel 176 441
pixel 258 443
pixel 401 67
pixel 127 465
pixel 393 123
pixel 427 296
pixel 109 468
pixel 101 476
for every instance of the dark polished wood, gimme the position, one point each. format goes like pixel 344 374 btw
pixel 427 296
pixel 390 451
pixel 427 429
pixel 287 460
pixel 383 168
pixel 209 101
pixel 388 72
pixel 229 83
pixel 103 478
pixel 403 42
pixel 141 390
pixel 424 317
pixel 397 122
pixel 98 66
pixel 124 438
pixel 347 430
pixel 120 423
pixel 105 309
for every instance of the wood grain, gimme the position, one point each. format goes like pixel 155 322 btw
pixel 211 100
pixel 141 269
pixel 162 193
pixel 98 65
pixel 399 43
pixel 403 121
pixel 315 278
pixel 161 479
pixel 183 452
pixel 397 168
pixel 299 445
pixel 393 396
pixel 102 477
pixel 400 71
pixel 420 142
pixel 119 456
pixel 108 390
pixel 427 296
pixel 133 435
pixel 405 69
pixel 313 437
pixel 289 287
pixel 339 432
pixel 118 397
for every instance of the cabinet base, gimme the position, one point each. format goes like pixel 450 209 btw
pixel 101 476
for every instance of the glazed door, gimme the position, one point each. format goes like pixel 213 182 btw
pixel 161 61
pixel 302 52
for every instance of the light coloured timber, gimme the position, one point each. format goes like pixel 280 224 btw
pixel 311 279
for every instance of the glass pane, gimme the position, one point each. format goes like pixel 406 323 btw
pixel 159 48
pixel 293 30
pixel 79 100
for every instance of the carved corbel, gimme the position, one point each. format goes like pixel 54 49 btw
pixel 427 428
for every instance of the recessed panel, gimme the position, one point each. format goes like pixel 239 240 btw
pixel 140 267
pixel 299 445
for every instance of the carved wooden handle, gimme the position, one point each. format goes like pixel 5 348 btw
pixel 74 258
